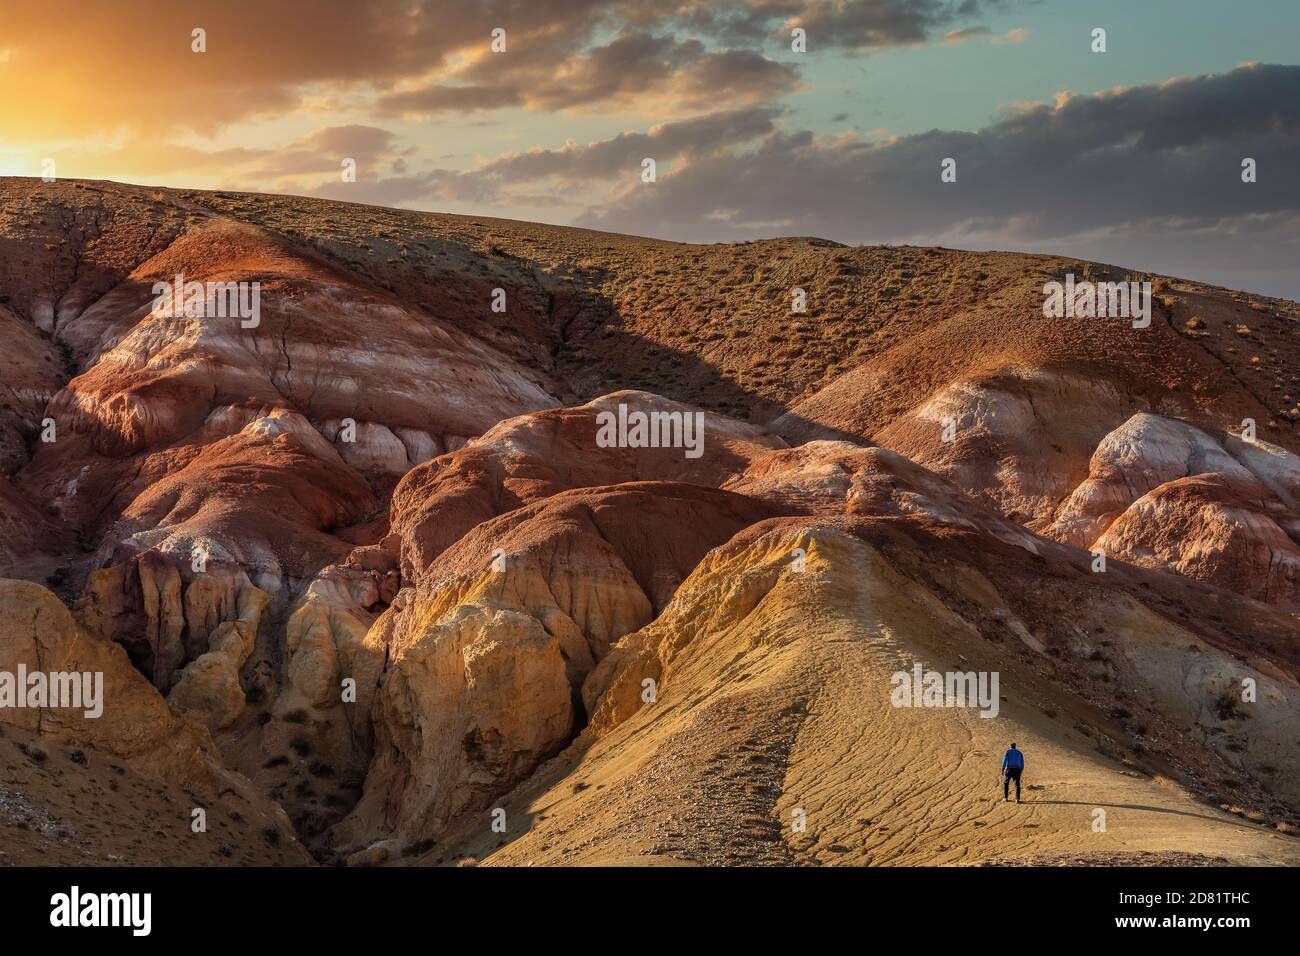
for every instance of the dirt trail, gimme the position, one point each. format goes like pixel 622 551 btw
pixel 780 702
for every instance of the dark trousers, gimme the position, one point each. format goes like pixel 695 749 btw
pixel 1012 773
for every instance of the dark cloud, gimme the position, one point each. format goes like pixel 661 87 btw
pixel 441 98
pixel 694 139
pixel 859 25
pixel 574 166
pixel 733 77
pixel 1156 164
pixel 871 24
pixel 633 68
pixel 349 140
pixel 131 61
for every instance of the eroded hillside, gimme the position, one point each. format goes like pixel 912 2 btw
pixel 368 560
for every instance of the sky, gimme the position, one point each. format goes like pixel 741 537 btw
pixel 1131 156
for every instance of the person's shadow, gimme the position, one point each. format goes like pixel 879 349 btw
pixel 1138 806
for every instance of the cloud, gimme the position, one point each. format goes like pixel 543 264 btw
pixel 695 139
pixel 874 24
pixel 76 69
pixel 294 167
pixel 957 37
pixel 132 64
pixel 657 73
pixel 432 100
pixel 1018 35
pixel 1156 167
pixel 572 169
pixel 320 153
pixel 349 140
pixel 855 25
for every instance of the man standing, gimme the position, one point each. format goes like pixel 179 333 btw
pixel 1013 765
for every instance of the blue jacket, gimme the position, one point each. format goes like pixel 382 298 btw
pixel 1014 760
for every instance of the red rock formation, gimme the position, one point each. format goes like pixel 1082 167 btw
pixel 374 555
pixel 528 458
pixel 1163 494
pixel 486 655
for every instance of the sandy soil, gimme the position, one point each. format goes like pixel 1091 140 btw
pixel 786 708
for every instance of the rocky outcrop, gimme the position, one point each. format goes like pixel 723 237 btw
pixel 841 478
pixel 209 687
pixel 146 604
pixel 528 458
pixel 671 768
pixel 487 655
pixel 379 553
pixel 1164 494
pixel 39 633
pixel 133 724
pixel 1214 529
